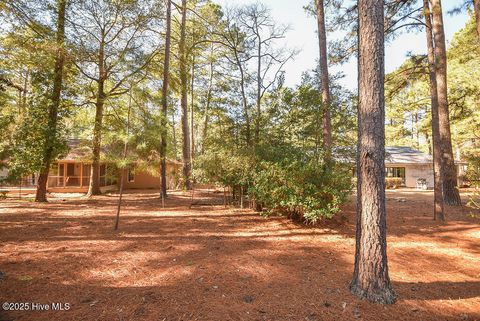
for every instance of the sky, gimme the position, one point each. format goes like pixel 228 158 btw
pixel 303 37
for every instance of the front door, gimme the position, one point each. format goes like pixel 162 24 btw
pixel 61 175
pixel 70 179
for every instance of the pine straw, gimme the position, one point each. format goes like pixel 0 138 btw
pixel 217 263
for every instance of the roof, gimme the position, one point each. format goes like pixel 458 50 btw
pixel 406 155
pixel 393 155
pixel 80 150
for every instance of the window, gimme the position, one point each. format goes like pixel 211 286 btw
pixel 130 175
pixel 396 172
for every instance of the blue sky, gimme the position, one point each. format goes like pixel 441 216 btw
pixel 303 36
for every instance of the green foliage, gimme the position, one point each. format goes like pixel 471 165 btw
pixel 283 169
pixel 473 177
pixel 282 180
pixel 225 167
pixel 305 190
pixel 393 182
pixel 24 114
pixel 30 139
pixel 407 96
pixel 285 172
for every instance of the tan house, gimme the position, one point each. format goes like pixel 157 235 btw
pixel 72 173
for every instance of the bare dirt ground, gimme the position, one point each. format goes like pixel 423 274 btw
pixel 217 263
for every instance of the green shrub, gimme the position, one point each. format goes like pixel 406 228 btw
pixel 393 182
pixel 280 179
pixel 304 190
pixel 473 176
pixel 224 167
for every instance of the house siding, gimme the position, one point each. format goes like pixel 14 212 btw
pixel 146 180
pixel 414 172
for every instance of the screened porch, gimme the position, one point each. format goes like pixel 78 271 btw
pixel 72 174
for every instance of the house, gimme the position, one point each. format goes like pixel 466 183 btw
pixel 412 166
pixel 141 178
pixel 404 166
pixel 72 173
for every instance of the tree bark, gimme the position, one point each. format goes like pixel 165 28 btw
pixel 370 277
pixel 207 106
pixel 438 203
pixel 476 9
pixel 174 138
pixel 259 88
pixel 166 79
pixel 94 186
pixel 324 79
pixel 124 157
pixel 248 136
pixel 51 131
pixel 24 92
pixel 450 191
pixel 192 102
pixel 186 153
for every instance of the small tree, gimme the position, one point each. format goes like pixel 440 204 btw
pixel 110 49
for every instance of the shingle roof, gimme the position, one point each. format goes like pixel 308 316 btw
pixel 406 155
pixel 80 150
pixel 393 155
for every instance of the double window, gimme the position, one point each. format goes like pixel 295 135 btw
pixel 396 172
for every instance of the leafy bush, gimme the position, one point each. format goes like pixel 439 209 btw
pixel 280 179
pixel 303 189
pixel 393 182
pixel 473 176
pixel 224 167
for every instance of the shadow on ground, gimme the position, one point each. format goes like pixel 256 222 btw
pixel 217 263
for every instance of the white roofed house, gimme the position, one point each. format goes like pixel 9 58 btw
pixel 404 166
pixel 413 167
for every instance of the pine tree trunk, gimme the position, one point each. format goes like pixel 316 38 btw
pixel 324 80
pixel 51 131
pixel 174 138
pixel 24 92
pixel 476 8
pixel 259 90
pixel 438 205
pixel 370 277
pixel 124 158
pixel 94 186
pixel 207 107
pixel 244 100
pixel 450 191
pixel 186 153
pixel 166 73
pixel 192 121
